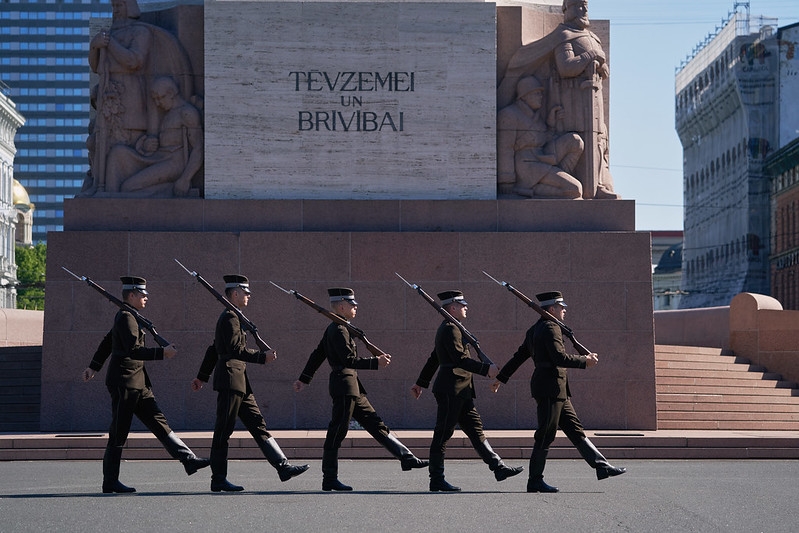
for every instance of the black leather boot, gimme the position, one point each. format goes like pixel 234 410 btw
pixel 437 481
pixel 219 482
pixel 408 460
pixel 597 461
pixel 330 472
pixel 535 483
pixel 276 458
pixel 111 460
pixel 178 450
pixel 490 457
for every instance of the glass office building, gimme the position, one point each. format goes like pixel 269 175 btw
pixel 44 47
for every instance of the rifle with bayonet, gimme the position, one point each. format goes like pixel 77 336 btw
pixel 246 323
pixel 582 350
pixel 468 337
pixel 354 331
pixel 143 322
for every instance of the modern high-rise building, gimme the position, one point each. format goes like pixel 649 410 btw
pixel 44 61
pixel 727 118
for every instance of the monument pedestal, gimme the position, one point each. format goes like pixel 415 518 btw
pixel 587 250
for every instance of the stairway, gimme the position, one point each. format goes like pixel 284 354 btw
pixel 20 388
pixel 702 389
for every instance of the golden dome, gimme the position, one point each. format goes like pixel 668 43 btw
pixel 20 195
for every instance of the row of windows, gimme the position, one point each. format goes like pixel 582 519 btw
pixel 49 15
pixel 11 77
pixel 78 46
pixel 49 213
pixel 50 168
pixel 45 91
pixel 51 153
pixel 50 137
pixel 42 229
pixel 87 2
pixel 53 107
pixel 52 122
pixel 31 184
pixel 45 61
pixel 58 30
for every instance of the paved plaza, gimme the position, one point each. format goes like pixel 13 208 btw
pixel 654 496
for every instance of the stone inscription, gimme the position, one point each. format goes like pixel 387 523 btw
pixel 351 82
pixel 350 100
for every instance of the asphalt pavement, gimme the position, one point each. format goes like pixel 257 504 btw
pixel 654 496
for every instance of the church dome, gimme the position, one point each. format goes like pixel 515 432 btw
pixel 20 195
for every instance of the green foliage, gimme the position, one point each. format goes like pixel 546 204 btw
pixel 30 274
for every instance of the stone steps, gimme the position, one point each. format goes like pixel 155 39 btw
pixel 703 389
pixel 513 445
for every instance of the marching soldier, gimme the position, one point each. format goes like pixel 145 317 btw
pixel 131 390
pixel 454 392
pixel 349 396
pixel 228 358
pixel 549 386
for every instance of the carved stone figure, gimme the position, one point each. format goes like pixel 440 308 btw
pixel 163 164
pixel 531 159
pixel 128 58
pixel 570 62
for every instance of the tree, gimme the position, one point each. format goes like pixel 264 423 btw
pixel 30 274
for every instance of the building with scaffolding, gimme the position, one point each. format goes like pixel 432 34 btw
pixel 727 119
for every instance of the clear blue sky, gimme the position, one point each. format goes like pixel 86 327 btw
pixel 649 39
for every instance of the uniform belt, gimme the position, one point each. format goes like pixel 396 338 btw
pixel 447 365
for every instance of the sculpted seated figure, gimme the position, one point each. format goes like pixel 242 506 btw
pixel 168 161
pixel 532 160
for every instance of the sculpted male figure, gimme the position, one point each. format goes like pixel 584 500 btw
pixel 531 159
pixel 173 157
pixel 571 63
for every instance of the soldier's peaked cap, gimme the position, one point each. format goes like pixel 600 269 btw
pixel 237 281
pixel 550 298
pixel 338 294
pixel 448 297
pixel 134 283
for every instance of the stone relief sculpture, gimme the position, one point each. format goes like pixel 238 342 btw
pixel 531 159
pixel 168 161
pixel 570 64
pixel 143 105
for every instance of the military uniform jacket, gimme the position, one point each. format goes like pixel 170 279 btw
pixel 338 347
pixel 544 344
pixel 454 363
pixel 125 344
pixel 228 356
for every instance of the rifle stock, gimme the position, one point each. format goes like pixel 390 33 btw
pixel 354 331
pixel 143 322
pixel 582 350
pixel 246 323
pixel 470 339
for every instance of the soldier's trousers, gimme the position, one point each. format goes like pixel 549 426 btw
pixel 554 414
pixel 455 410
pixel 125 403
pixel 346 408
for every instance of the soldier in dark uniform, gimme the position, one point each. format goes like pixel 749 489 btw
pixel 349 396
pixel 228 358
pixel 131 390
pixel 549 385
pixel 454 392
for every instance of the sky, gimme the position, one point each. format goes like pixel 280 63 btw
pixel 649 39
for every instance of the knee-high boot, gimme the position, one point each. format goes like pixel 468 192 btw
pixel 407 459
pixel 276 458
pixel 597 461
pixel 535 483
pixel 437 481
pixel 330 472
pixel 111 460
pixel 494 462
pixel 178 450
pixel 219 482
